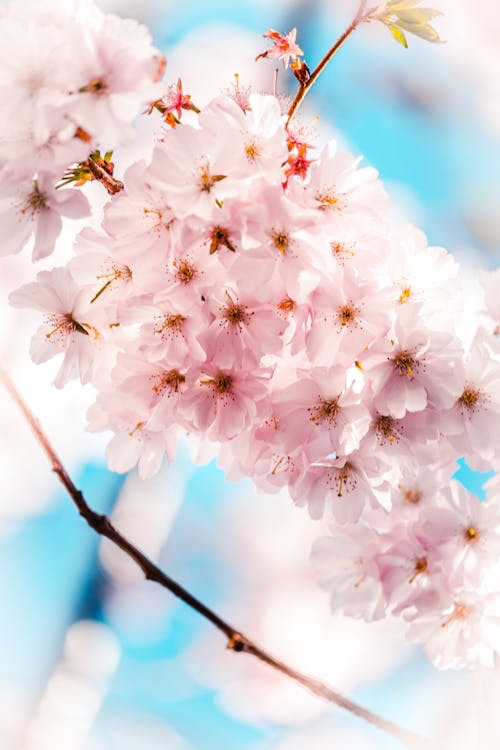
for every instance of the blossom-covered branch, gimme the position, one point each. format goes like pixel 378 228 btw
pixel 236 640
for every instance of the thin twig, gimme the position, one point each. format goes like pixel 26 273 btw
pixel 237 641
pixel 304 88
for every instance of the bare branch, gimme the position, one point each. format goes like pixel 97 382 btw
pixel 304 87
pixel 236 640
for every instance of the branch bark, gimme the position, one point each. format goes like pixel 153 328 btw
pixel 105 177
pixel 236 640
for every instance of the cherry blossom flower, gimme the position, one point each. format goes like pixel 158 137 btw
pixel 34 207
pixel 68 325
pixel 469 529
pixel 222 402
pixel 472 421
pixel 284 47
pixel 408 370
pixel 346 567
pixel 458 632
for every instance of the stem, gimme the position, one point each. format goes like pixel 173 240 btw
pixel 237 641
pixel 304 88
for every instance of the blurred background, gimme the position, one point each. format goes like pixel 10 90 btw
pixel 93 658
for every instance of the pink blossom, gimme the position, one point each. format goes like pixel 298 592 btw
pixel 408 369
pixel 284 47
pixel 68 326
pixel 458 632
pixel 222 402
pixel 473 420
pixel 34 207
pixel 346 567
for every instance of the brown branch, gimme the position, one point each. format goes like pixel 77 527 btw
pixel 304 87
pixel 237 641
pixel 105 176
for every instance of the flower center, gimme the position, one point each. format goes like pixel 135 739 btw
pixel 326 201
pixel 236 315
pixel 420 567
pixel 384 425
pixel 207 180
pixel 251 151
pixel 287 305
pixel 184 271
pixel 171 324
pixel 116 273
pixel 405 295
pixel 469 398
pixel 169 381
pixel 327 411
pixel 63 326
pixel 471 535
pixel 35 201
pixel 346 315
pixel 221 384
pixel 405 364
pixel 345 478
pixel 412 496
pixel 220 236
pixel 95 86
pixel 281 241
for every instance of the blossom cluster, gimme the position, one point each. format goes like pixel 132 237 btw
pixel 72 78
pixel 251 292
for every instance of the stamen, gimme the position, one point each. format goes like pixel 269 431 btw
pixel 405 295
pixel 252 151
pixel 412 496
pixel 385 427
pixel 64 325
pixel 326 201
pixel 281 241
pixel 345 477
pixel 137 428
pixel 171 325
pixel 170 380
pixel 346 314
pixel 327 411
pixel 420 567
pixel 117 273
pixel 461 611
pixel 469 399
pixel 221 384
pixel 405 364
pixel 471 535
pixel 35 201
pixel 276 466
pixel 220 236
pixel 207 180
pixel 184 271
pixel 95 86
pixel 236 315
pixel 287 305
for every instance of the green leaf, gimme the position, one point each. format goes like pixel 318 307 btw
pixel 398 35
